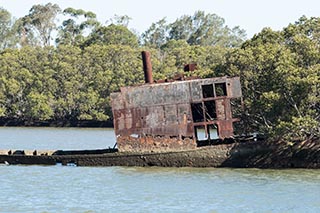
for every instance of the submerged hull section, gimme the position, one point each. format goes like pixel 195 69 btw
pixel 237 155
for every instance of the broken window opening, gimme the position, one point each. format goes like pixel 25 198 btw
pixel 200 133
pixel 220 89
pixel 207 91
pixel 197 112
pixel 210 110
pixel 236 107
pixel 213 131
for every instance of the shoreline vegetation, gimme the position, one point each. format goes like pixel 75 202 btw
pixel 61 73
pixel 65 123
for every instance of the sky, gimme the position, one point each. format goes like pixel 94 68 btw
pixel 250 15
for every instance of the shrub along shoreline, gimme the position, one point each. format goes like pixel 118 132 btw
pixel 66 123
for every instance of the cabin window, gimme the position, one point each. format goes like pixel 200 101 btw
pixel 206 133
pixel 200 133
pixel 197 112
pixel 221 89
pixel 213 131
pixel 236 107
pixel 210 110
pixel 207 91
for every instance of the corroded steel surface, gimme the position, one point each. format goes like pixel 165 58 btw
pixel 174 114
pixel 147 67
pixel 154 143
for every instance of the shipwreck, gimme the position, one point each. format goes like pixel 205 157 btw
pixel 179 114
pixel 179 122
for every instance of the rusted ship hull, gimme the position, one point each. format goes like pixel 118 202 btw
pixel 236 155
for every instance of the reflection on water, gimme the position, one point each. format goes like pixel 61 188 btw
pixel 135 189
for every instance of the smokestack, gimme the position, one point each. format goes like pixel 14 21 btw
pixel 147 67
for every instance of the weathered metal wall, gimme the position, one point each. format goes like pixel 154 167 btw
pixel 158 109
pixel 160 116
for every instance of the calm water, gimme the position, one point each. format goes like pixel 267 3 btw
pixel 55 138
pixel 134 189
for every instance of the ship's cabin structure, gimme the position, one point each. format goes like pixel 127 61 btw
pixel 175 115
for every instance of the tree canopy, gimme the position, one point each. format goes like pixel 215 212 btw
pixel 200 29
pixel 280 78
pixel 40 22
pixel 72 79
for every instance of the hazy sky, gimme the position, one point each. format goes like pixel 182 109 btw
pixel 250 15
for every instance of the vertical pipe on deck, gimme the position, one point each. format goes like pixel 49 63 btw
pixel 147 67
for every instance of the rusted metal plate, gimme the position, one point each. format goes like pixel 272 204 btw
pixel 225 128
pixel 150 115
pixel 156 94
pixel 220 109
pixel 154 144
pixel 234 87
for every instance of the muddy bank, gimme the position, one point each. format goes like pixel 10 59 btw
pixel 237 155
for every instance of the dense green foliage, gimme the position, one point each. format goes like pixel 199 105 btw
pixel 73 79
pixel 280 74
pixel 199 29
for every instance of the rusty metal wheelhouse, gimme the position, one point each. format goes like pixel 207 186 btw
pixel 175 115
